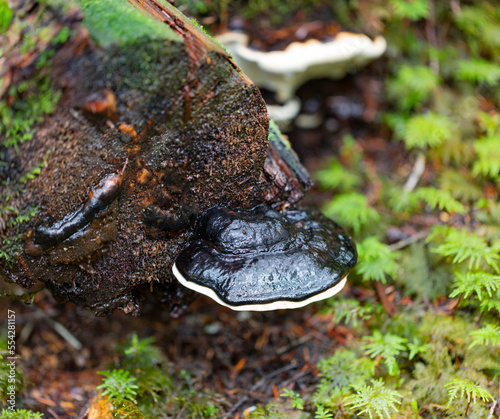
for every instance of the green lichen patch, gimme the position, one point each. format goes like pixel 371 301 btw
pixel 119 23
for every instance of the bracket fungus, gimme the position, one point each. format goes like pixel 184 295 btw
pixel 262 259
pixel 284 71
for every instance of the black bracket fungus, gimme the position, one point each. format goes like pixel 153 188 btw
pixel 261 259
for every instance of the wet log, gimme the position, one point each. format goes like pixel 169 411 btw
pixel 120 123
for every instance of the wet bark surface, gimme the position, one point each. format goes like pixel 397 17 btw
pixel 145 137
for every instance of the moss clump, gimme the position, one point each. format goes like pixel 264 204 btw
pixel 5 16
pixel 27 104
pixel 20 414
pixel 119 23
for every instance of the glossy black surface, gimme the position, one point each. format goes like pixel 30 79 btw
pixel 261 255
pixel 99 199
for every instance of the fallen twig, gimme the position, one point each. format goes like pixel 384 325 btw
pixel 492 410
pixel 409 240
pixel 60 329
pixel 415 174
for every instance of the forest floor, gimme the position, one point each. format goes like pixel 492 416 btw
pixel 248 358
pixel 240 360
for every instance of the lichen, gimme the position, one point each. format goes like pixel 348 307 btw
pixel 120 23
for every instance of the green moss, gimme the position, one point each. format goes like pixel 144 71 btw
pixel 29 102
pixel 17 380
pixel 5 16
pixel 119 23
pixel 10 247
pixel 20 414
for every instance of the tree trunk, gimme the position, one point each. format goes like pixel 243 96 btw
pixel 121 122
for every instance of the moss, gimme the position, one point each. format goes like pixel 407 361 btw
pixel 5 16
pixel 20 414
pixel 28 103
pixel 25 105
pixel 10 247
pixel 119 23
pixel 146 68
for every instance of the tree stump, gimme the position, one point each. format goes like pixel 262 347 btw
pixel 120 123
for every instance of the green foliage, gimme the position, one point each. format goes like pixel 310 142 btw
pixel 5 383
pixel 459 185
pixel 11 246
pixel 422 274
pixel 10 249
pixel 124 408
pixel 322 413
pixel 440 199
pixel 5 16
pixel 477 284
pixel 337 177
pixel 429 130
pixel 478 71
pixel 297 401
pixel 442 101
pixel 412 9
pixel 118 385
pixel 387 347
pixel 491 304
pixel 339 374
pixel 377 261
pixel 488 123
pixel 142 352
pixel 20 414
pixel 146 386
pixel 460 387
pixel 416 348
pixel 463 245
pixel 349 311
pixel 487 335
pixel 401 201
pixel 412 86
pixel 31 174
pixel 488 151
pixel 375 400
pixel 351 210
pixel 472 20
pixel 31 102
pixel 270 410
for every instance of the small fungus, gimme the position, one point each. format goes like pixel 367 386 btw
pixel 261 259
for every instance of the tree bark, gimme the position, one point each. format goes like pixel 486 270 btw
pixel 121 122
